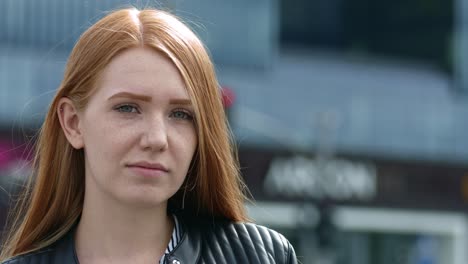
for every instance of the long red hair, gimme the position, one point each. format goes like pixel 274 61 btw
pixel 53 199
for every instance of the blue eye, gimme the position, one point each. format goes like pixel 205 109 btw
pixel 182 114
pixel 127 109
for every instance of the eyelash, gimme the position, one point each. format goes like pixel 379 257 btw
pixel 119 109
pixel 187 114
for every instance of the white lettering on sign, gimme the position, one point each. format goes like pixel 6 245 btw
pixel 335 179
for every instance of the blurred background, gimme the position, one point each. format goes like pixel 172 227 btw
pixel 350 116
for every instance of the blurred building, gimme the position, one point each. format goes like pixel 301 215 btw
pixel 351 116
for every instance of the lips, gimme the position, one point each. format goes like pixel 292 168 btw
pixel 147 169
pixel 148 165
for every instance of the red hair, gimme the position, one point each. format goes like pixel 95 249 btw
pixel 53 199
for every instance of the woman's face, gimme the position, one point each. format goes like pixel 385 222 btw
pixel 138 131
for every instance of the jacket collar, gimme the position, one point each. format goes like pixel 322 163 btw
pixel 189 248
pixel 65 249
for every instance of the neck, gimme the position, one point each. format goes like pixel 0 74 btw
pixel 109 232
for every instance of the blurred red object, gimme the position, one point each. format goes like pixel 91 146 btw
pixel 6 154
pixel 12 153
pixel 228 97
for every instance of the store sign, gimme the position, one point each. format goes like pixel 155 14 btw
pixel 336 179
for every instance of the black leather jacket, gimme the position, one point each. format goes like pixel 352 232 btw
pixel 215 242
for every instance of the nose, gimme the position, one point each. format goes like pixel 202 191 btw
pixel 155 136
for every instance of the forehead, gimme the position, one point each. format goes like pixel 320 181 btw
pixel 144 71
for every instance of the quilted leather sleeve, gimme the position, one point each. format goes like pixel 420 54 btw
pixel 246 243
pixel 40 257
pixel 61 252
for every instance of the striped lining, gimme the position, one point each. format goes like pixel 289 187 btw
pixel 177 234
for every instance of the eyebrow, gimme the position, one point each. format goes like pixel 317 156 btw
pixel 131 95
pixel 180 101
pixel 146 98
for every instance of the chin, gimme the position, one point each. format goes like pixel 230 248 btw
pixel 145 202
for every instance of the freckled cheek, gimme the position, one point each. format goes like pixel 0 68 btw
pixel 186 143
pixel 185 134
pixel 110 140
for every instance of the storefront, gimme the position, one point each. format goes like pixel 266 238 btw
pixel 349 210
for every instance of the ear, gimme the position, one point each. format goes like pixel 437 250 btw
pixel 70 122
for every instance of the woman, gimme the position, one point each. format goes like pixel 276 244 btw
pixel 134 162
